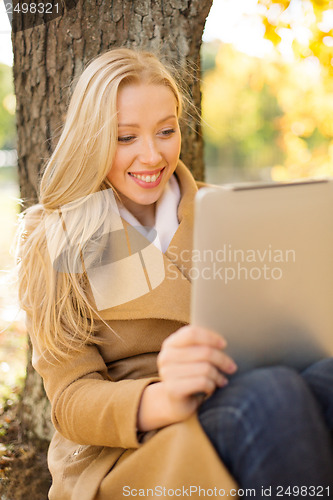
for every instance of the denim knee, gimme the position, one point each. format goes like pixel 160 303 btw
pixel 260 417
pixel 264 390
pixel 319 377
pixel 271 402
pixel 275 390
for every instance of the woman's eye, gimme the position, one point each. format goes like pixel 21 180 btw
pixel 168 132
pixel 126 138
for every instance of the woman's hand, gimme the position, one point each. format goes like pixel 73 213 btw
pixel 191 361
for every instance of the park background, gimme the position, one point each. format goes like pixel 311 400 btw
pixel 267 114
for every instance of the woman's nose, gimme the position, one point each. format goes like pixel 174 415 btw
pixel 150 154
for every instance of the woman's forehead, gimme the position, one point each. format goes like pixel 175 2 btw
pixel 138 101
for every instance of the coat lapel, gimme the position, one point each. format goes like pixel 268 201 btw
pixel 170 299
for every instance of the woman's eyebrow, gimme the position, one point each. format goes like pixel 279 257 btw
pixel 137 126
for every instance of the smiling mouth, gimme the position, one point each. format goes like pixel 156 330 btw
pixel 147 178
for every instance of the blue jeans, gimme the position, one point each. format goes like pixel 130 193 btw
pixel 273 427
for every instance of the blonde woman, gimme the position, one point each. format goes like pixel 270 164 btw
pixel 106 291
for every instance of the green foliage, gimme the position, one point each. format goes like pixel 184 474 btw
pixel 275 111
pixel 13 339
pixel 7 108
pixel 239 112
pixel 208 56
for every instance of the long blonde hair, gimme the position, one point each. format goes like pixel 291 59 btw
pixel 61 316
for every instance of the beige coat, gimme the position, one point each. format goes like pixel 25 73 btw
pixel 95 453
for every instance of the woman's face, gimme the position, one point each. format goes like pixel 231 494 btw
pixel 148 145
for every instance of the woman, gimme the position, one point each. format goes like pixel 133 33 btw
pixel 135 390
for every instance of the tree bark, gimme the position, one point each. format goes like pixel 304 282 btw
pixel 49 55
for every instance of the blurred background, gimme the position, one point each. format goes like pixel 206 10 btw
pixel 12 332
pixel 267 105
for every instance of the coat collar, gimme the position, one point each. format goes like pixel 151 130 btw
pixel 171 298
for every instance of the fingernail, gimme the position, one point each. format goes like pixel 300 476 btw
pixel 232 366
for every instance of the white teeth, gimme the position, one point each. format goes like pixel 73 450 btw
pixel 146 178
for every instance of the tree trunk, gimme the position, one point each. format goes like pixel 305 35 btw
pixel 49 55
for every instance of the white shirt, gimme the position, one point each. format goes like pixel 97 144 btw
pixel 166 219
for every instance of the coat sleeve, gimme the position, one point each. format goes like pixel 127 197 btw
pixel 86 406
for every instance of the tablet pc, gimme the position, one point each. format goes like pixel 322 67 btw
pixel 262 270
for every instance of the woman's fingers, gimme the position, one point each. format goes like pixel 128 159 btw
pixel 191 344
pixel 192 361
pixel 195 335
pixel 190 386
pixel 198 353
pixel 200 369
